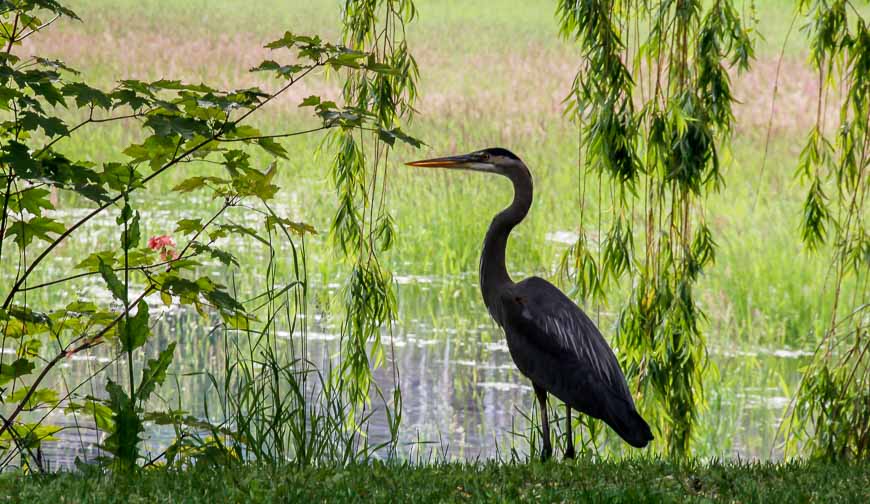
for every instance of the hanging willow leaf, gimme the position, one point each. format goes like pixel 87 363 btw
pixel 816 215
pixel 832 405
pixel 377 99
pixel 663 139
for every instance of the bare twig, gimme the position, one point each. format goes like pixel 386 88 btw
pixel 278 135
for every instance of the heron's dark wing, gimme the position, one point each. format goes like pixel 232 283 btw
pixel 554 325
pixel 556 345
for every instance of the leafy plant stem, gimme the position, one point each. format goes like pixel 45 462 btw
pixel 3 219
pixel 127 297
pixel 87 344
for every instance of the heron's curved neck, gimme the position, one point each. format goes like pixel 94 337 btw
pixel 493 273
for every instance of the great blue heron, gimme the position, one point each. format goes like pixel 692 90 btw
pixel 551 340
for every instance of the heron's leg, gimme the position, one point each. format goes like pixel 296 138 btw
pixel 569 443
pixel 545 422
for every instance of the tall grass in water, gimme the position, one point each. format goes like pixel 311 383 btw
pixel 273 403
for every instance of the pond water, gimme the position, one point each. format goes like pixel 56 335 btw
pixel 462 396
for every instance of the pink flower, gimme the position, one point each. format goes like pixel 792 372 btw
pixel 160 242
pixel 165 245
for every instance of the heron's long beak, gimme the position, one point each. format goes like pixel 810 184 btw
pixel 464 161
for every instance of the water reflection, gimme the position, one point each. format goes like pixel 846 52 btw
pixel 460 389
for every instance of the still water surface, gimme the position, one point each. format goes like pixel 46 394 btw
pixel 462 396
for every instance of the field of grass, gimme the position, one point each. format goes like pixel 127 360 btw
pixel 634 481
pixel 480 88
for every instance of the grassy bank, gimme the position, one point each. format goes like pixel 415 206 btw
pixel 625 481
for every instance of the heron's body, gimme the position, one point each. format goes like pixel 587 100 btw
pixel 551 340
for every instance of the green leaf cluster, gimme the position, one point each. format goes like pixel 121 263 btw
pixel 651 135
pixel 832 407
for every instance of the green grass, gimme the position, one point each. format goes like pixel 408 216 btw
pixel 632 481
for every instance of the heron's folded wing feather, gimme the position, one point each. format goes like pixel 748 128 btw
pixel 560 328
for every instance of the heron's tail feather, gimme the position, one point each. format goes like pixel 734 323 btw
pixel 627 422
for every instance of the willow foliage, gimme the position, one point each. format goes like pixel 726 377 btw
pixel 832 409
pixel 362 228
pixel 653 101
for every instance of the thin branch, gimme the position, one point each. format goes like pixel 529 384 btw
pixel 142 269
pixel 19 192
pixel 4 219
pixel 278 135
pixel 12 35
pixel 38 28
pixel 89 120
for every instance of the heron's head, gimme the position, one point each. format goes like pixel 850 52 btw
pixel 493 160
